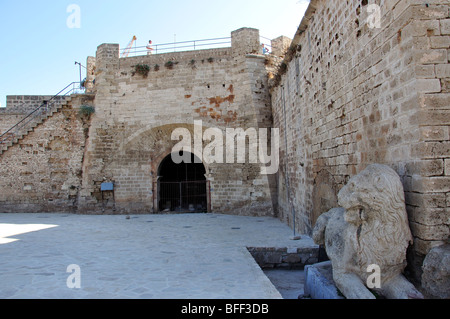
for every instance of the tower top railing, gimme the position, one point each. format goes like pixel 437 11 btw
pixel 177 47
pixel 192 45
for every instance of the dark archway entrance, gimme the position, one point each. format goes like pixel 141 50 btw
pixel 182 188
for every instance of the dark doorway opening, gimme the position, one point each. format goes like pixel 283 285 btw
pixel 182 188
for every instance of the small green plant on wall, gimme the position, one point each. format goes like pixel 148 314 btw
pixel 86 110
pixel 142 69
pixel 169 65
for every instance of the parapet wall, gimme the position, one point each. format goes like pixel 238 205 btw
pixel 23 104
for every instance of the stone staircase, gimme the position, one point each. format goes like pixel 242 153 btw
pixel 39 115
pixel 29 123
pixel 14 137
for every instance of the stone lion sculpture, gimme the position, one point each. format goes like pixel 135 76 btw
pixel 370 228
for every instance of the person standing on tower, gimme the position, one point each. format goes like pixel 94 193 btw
pixel 150 48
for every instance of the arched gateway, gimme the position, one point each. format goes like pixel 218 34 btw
pixel 182 188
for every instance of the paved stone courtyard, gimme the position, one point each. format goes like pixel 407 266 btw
pixel 193 256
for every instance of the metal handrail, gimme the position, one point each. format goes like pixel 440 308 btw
pixel 194 44
pixel 265 38
pixel 46 104
pixel 267 45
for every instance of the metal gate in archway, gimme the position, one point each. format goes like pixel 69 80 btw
pixel 184 197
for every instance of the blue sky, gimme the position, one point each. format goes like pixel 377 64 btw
pixel 38 49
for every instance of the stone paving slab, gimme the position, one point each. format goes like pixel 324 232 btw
pixel 192 256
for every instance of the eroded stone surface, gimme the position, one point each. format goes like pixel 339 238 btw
pixel 436 272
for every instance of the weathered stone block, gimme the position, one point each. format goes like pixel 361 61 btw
pixel 436 272
pixel 425 71
pixel 429 215
pixel 443 70
pixel 425 200
pixel 434 184
pixel 319 283
pixel 435 133
pixel 431 232
pixel 441 42
pixel 434 56
pixel 445 26
pixel 436 101
pixel 430 150
pixel 428 85
pixel 425 167
pixel 430 12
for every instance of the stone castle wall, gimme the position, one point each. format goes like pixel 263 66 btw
pixel 136 115
pixel 130 133
pixel 350 94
